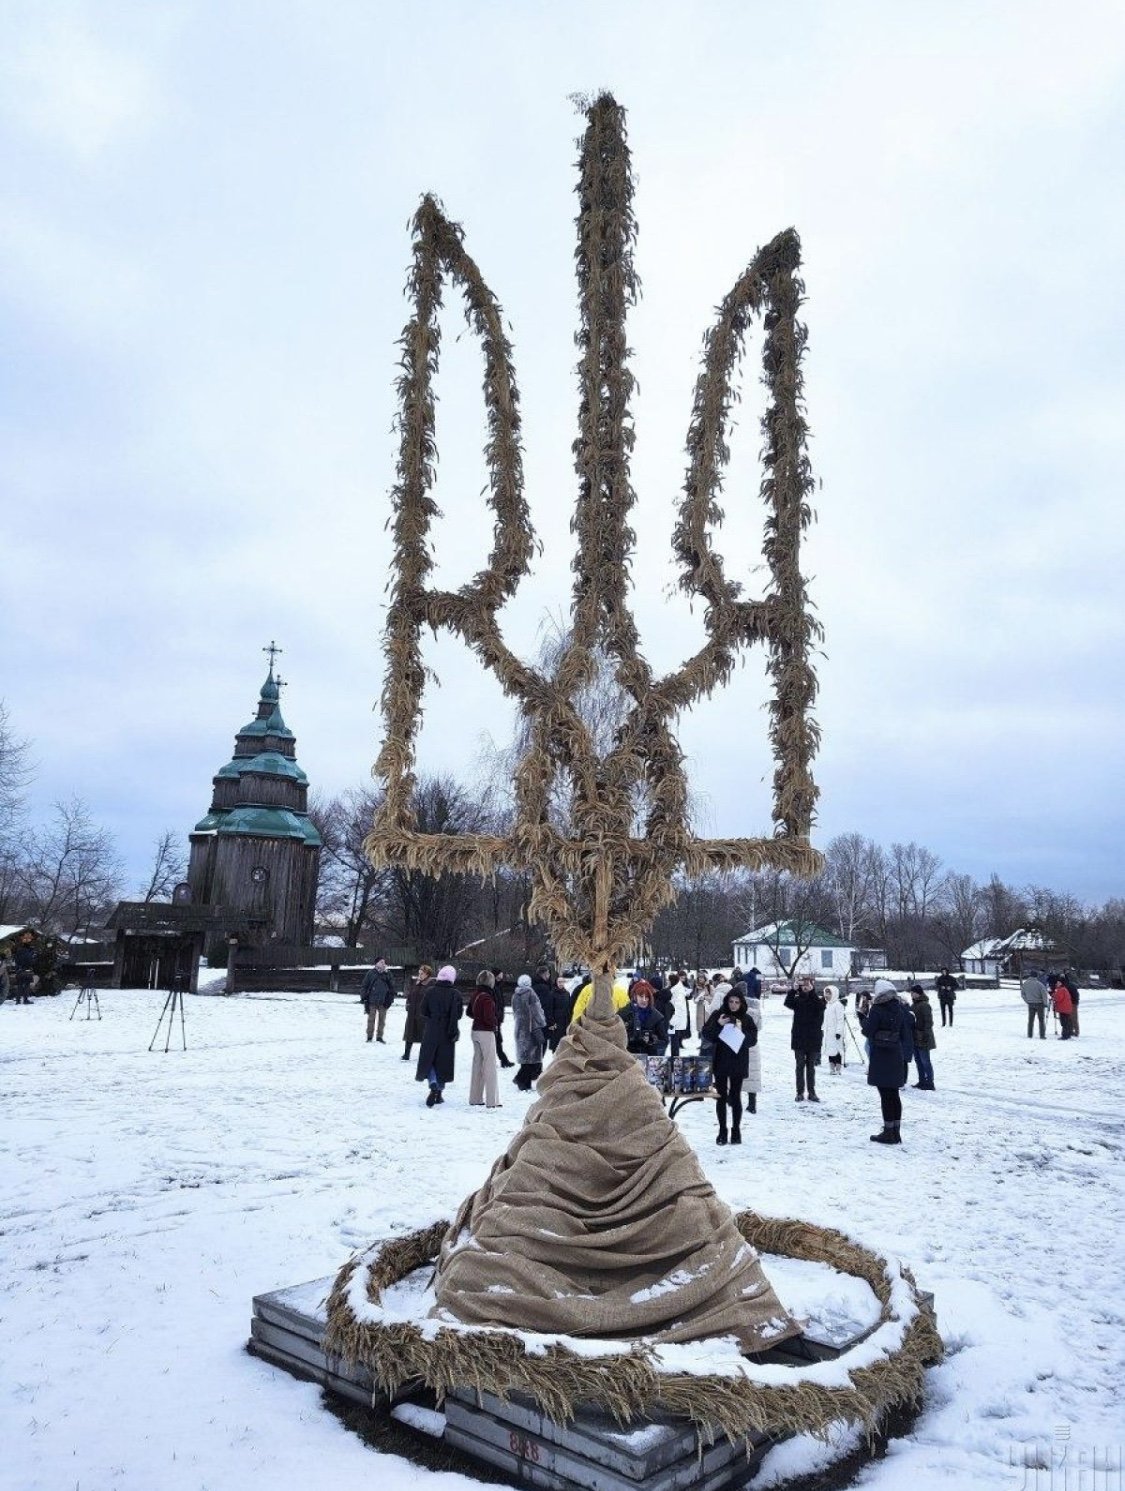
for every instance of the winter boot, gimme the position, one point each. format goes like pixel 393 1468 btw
pixel 721 1112
pixel 896 1135
pixel 432 1097
pixel 752 1102
pixel 735 1133
pixel 885 1137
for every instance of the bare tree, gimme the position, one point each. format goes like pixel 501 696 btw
pixel 349 892
pixel 850 877
pixel 959 920
pixel 15 771
pixel 169 866
pixel 74 870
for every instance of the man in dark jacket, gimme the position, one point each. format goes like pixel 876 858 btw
pixel 547 994
pixel 378 995
pixel 1072 987
pixel 946 987
pixel 807 1005
pixel 924 1038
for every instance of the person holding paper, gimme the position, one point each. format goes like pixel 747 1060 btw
pixel 734 1034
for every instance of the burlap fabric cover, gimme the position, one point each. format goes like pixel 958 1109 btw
pixel 598 1221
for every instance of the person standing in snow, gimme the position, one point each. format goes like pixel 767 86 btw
pixel 731 1067
pixel 681 1012
pixel 887 1027
pixel 377 996
pixel 531 1033
pixel 946 987
pixel 1064 1008
pixel 701 1000
pixel 501 1005
pixel 1033 992
pixel 924 1038
pixel 413 1027
pixel 1072 989
pixel 441 1028
pixel 834 1030
pixel 483 1008
pixel 807 1036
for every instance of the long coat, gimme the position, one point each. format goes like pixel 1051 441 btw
pixel 441 1011
pixel 888 1062
pixel 834 1028
pixel 531 1027
pixel 808 1020
pixel 737 1064
pixel 415 1025
pixel 924 1038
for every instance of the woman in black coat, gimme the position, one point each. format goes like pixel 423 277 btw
pixel 807 1004
pixel 730 1067
pixel 887 1026
pixel 441 1012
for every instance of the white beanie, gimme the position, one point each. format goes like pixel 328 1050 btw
pixel 524 981
pixel 884 986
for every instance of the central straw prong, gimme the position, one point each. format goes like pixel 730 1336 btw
pixel 598 884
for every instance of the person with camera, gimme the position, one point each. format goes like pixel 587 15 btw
pixel 646 1034
pixel 807 1037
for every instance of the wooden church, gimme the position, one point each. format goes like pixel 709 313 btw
pixel 252 876
pixel 257 851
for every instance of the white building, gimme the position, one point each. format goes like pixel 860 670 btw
pixel 785 949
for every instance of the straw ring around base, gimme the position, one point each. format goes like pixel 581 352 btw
pixel 881 1371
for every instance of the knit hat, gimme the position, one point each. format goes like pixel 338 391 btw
pixel 485 979
pixel 524 981
pixel 884 986
pixel 447 975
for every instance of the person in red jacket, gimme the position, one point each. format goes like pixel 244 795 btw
pixel 1064 1008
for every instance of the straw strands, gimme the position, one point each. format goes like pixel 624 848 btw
pixel 598 888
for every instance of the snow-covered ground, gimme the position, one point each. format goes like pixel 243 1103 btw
pixel 146 1197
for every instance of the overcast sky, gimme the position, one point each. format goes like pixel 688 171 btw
pixel 204 236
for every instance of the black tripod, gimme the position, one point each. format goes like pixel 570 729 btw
pixel 175 997
pixel 89 995
pixel 859 1049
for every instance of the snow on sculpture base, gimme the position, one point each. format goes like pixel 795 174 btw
pixel 591 1450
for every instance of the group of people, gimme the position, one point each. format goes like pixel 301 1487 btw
pixel 1056 990
pixel 435 1009
pixel 658 1013
pixel 17 971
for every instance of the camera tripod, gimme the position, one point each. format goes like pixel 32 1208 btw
pixel 88 994
pixel 859 1049
pixel 175 997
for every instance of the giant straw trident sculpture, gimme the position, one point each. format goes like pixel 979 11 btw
pixel 598 882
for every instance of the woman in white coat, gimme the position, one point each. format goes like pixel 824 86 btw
pixel 834 1030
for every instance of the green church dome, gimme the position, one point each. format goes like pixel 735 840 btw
pixel 268 823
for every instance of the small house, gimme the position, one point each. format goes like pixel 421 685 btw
pixel 794 948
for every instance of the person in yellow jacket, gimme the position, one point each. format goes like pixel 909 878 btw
pixel 586 993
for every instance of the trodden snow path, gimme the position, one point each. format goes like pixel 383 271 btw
pixel 145 1197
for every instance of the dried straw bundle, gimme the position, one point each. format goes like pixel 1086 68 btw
pixel 598 888
pixel 631 1385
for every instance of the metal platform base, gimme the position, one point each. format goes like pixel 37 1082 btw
pixel 593 1453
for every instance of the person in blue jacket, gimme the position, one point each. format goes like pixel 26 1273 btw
pixel 888 1027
